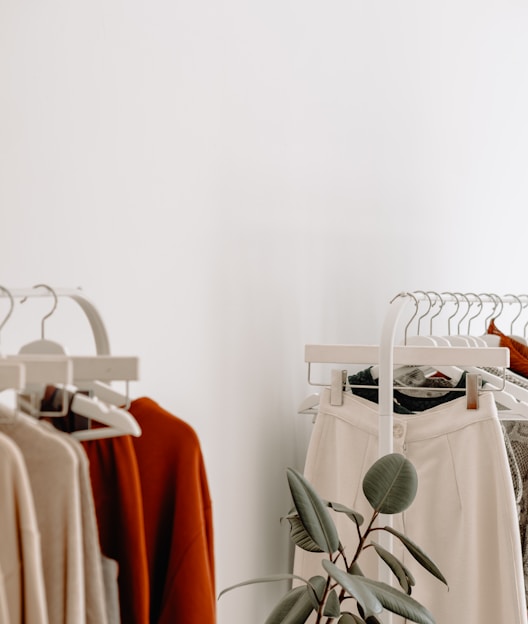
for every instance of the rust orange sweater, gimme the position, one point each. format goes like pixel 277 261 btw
pixel 178 517
pixel 518 351
pixel 117 497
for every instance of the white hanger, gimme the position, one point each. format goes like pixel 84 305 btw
pixel 108 394
pixel 492 340
pixel 43 345
pixel 118 421
pixel 518 338
pixel 12 376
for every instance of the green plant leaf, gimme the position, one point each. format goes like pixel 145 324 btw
pixel 299 535
pixel 396 601
pixel 263 579
pixel 355 587
pixel 350 618
pixel 405 578
pixel 313 513
pixel 390 484
pixel 418 554
pixel 332 607
pixel 353 515
pixel 316 588
pixel 294 608
pixel 355 569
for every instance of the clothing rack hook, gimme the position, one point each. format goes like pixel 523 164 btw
pixel 55 303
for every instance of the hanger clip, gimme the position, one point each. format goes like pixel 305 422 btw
pixel 337 387
pixel 472 390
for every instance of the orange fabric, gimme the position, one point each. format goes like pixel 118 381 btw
pixel 518 351
pixel 117 496
pixel 178 517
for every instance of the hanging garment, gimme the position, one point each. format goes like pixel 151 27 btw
pixel 52 468
pixel 417 399
pixel 94 591
pixel 517 432
pixel 111 587
pixel 117 496
pixel 20 554
pixel 423 398
pixel 178 517
pixel 464 515
pixel 4 608
pixel 518 350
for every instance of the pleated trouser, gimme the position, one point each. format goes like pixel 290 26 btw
pixel 464 515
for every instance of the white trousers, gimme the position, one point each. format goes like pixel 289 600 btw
pixel 464 515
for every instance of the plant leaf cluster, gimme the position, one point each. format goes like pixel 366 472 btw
pixel 390 487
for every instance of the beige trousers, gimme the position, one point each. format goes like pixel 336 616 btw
pixel 464 515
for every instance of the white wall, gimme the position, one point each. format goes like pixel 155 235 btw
pixel 230 180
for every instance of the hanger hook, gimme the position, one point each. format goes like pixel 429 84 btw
pixel 442 303
pixel 498 301
pixel 412 317
pixel 457 301
pixel 480 304
pixel 518 314
pixel 467 311
pixel 55 303
pixel 422 292
pixel 526 324
pixel 491 298
pixel 11 308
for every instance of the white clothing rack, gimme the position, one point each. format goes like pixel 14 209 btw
pixel 63 368
pixel 387 354
pixel 44 362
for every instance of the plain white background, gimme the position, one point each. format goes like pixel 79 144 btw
pixel 229 180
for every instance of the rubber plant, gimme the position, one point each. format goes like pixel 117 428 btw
pixel 390 487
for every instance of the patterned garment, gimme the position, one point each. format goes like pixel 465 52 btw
pixel 517 434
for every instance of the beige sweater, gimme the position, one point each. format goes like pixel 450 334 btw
pixel 20 554
pixel 53 469
pixel 96 608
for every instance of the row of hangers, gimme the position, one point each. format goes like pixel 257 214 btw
pixel 43 362
pixel 453 350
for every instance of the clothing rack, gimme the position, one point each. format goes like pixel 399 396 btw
pixel 387 354
pixel 61 367
pixel 43 363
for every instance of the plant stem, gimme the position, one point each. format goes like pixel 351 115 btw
pixel 364 536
